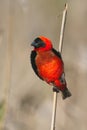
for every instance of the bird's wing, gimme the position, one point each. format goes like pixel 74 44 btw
pixel 57 53
pixel 32 58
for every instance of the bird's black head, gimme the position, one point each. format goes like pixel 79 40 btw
pixel 38 43
pixel 42 43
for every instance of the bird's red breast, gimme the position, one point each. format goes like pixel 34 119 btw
pixel 50 67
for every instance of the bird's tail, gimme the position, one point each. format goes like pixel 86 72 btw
pixel 61 85
pixel 66 93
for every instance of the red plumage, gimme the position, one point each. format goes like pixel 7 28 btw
pixel 48 65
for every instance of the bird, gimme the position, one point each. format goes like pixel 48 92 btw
pixel 48 65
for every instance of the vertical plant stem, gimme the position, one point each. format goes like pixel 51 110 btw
pixel 60 50
pixel 54 111
pixel 63 28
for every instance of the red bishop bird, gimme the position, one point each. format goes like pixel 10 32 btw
pixel 48 65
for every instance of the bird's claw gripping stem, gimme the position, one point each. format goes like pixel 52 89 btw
pixel 55 89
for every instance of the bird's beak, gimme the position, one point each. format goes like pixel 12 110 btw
pixel 33 44
pixel 38 44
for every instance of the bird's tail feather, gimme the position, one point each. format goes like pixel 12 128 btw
pixel 66 93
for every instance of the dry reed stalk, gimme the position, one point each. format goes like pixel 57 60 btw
pixel 60 50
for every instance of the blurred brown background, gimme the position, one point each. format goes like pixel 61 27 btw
pixel 27 99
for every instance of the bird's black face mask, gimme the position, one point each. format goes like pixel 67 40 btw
pixel 38 43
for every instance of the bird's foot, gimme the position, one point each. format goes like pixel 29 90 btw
pixel 55 89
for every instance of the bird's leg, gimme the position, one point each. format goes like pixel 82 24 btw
pixel 55 89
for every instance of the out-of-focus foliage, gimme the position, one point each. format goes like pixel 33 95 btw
pixel 29 100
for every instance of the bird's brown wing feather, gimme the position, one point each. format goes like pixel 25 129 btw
pixel 57 53
pixel 32 58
